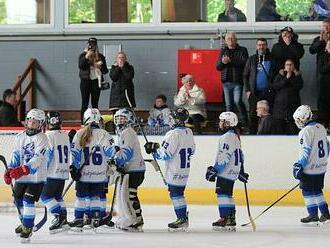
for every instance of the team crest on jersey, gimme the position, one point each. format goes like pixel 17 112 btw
pixel 28 151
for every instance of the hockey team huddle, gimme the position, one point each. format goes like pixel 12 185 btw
pixel 42 162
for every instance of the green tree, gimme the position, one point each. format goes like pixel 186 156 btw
pixel 81 11
pixel 3 13
pixel 144 16
pixel 295 9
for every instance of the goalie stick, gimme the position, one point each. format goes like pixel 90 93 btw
pixel 44 218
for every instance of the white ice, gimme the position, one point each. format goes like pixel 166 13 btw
pixel 278 227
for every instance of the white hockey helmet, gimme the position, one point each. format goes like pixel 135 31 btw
pixel 35 119
pixel 92 115
pixel 302 116
pixel 229 118
pixel 123 117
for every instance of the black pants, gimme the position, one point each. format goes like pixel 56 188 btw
pixel 196 120
pixel 89 88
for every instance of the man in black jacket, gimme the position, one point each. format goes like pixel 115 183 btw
pixel 231 14
pixel 258 75
pixel 265 124
pixel 8 115
pixel 231 63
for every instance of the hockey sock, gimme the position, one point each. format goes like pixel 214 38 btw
pixel 135 202
pixel 225 205
pixel 321 202
pixel 29 211
pixel 103 202
pixel 61 202
pixel 310 202
pixel 80 206
pixel 95 204
pixel 179 203
pixel 51 203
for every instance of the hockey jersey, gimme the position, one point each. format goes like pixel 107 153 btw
pixel 58 154
pixel 93 156
pixel 30 151
pixel 176 149
pixel 159 116
pixel 313 149
pixel 129 156
pixel 229 157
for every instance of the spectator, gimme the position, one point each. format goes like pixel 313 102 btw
pixel 286 48
pixel 231 63
pixel 160 113
pixel 287 84
pixel 231 14
pixel 92 67
pixel 122 74
pixel 8 115
pixel 192 98
pixel 258 75
pixel 267 13
pixel 324 92
pixel 265 124
pixel 318 11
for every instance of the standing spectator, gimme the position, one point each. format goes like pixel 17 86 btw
pixel 92 67
pixel 8 115
pixel 318 11
pixel 231 63
pixel 122 74
pixel 265 125
pixel 231 14
pixel 267 13
pixel 287 84
pixel 192 98
pixel 287 47
pixel 323 102
pixel 258 75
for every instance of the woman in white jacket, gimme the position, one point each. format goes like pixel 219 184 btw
pixel 192 98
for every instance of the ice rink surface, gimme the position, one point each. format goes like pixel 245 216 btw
pixel 278 227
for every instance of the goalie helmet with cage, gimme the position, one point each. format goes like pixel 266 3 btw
pixel 123 118
pixel 92 115
pixel 54 119
pixel 34 121
pixel 302 116
pixel 228 120
pixel 178 117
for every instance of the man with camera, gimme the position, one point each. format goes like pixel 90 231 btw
pixel 92 67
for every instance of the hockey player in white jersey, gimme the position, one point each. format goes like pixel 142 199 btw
pixel 58 162
pixel 129 161
pixel 227 169
pixel 28 167
pixel 312 164
pixel 176 149
pixel 91 148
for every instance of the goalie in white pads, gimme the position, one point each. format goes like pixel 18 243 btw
pixel 28 167
pixel 130 163
pixel 312 164
pixel 176 149
pixel 91 148
pixel 58 162
pixel 226 170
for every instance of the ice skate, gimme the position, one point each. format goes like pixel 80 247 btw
pixel 137 227
pixel 106 222
pixel 76 225
pixel 225 224
pixel 310 220
pixel 180 225
pixel 325 218
pixel 59 224
pixel 19 229
pixel 25 235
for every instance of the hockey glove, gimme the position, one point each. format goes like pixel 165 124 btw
pixel 151 147
pixel 6 177
pixel 111 167
pixel 71 134
pixel 18 172
pixel 211 174
pixel 75 173
pixel 297 171
pixel 243 177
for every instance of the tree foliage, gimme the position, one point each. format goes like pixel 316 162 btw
pixel 3 14
pixel 81 11
pixel 295 9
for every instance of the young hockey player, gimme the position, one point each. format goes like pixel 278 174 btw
pixel 91 149
pixel 312 164
pixel 58 155
pixel 176 149
pixel 129 161
pixel 28 167
pixel 227 168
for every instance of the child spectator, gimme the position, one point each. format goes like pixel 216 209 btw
pixel 159 114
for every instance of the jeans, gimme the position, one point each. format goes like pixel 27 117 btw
pixel 233 95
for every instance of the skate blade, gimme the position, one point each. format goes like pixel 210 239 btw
pixel 130 229
pixel 25 240
pixel 179 229
pixel 311 224
pixel 76 229
pixel 224 228
pixel 59 230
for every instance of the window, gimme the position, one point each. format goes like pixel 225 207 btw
pixel 204 10
pixel 24 11
pixel 110 11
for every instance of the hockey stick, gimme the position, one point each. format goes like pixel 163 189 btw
pixel 248 208
pixel 109 216
pixel 44 218
pixel 293 188
pixel 144 135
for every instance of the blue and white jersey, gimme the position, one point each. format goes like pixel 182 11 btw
pixel 30 151
pixel 129 156
pixel 93 156
pixel 313 149
pixel 176 149
pixel 58 154
pixel 229 157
